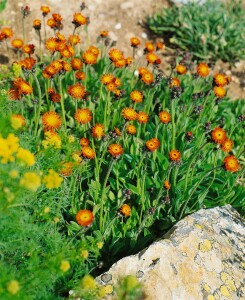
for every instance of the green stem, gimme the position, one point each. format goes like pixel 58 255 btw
pixel 23 29
pixel 103 194
pixel 173 124
pixel 62 101
pixel 39 104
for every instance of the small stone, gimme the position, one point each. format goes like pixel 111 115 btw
pixel 118 26
pixel 144 35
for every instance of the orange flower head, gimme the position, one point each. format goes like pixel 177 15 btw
pixel 7 32
pixel 104 33
pixel 107 78
pixel 76 64
pixel 28 49
pixel 220 79
pixel 218 135
pixel 135 42
pixel 136 96
pixel 231 163
pixel 129 114
pixel 80 75
pixel 19 118
pixel 51 120
pixel 83 115
pixel 117 131
pixel 84 142
pixel 57 17
pixel 181 69
pixel 77 91
pixel 125 210
pixel 66 168
pixel 219 91
pixel 115 150
pixel 94 50
pixel 152 144
pixel 175 82
pixel 203 70
pixel 45 10
pixel 120 63
pixel 79 19
pixel 65 66
pixel 131 129
pixel 84 217
pixel 115 55
pixel 17 43
pixel 55 97
pixel 50 91
pixel 24 87
pixel 227 145
pixel 28 63
pixel 151 58
pixel 51 23
pixel 88 152
pixel 117 81
pixel 164 117
pixel 143 117
pixel 51 44
pixel 37 24
pixel 167 185
pixel 149 47
pixel 147 78
pixel 74 39
pixel 89 58
pixel 98 131
pixel 13 94
pixel 174 155
pixel 60 37
pixel 111 87
pixel 129 61
pixel 160 46
pixel 143 71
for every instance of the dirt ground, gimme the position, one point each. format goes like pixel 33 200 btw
pixel 123 19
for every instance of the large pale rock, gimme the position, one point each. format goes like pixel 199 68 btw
pixel 201 257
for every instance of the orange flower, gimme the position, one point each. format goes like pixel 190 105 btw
pixel 129 114
pixel 143 71
pixel 149 47
pixel 147 78
pixel 89 58
pixel 45 10
pixel 60 37
pixel 135 42
pixel 57 17
pixel 120 63
pixel 28 49
pixel 111 86
pixel 51 23
pixel 117 131
pixel 98 131
pixel 115 54
pixel 74 39
pixel 27 63
pixel 174 82
pixel 51 120
pixel 104 33
pixel 219 91
pixel 17 43
pixel 159 46
pixel 174 155
pixel 77 91
pixel 107 78
pixel 167 185
pixel 66 168
pixel 203 70
pixel 227 145
pixel 76 64
pixel 125 210
pixel 164 117
pixel 80 75
pixel 22 86
pixel 18 119
pixel 55 97
pixel 131 129
pixel 152 144
pixel 88 152
pixel 218 135
pixel 37 24
pixel 83 115
pixel 117 81
pixel 94 50
pixel 115 150
pixel 180 69
pixel 79 19
pixel 136 96
pixel 128 60
pixel 151 58
pixel 84 142
pixel 231 163
pixel 220 79
pixel 13 94
pixel 7 32
pixel 142 117
pixel 84 217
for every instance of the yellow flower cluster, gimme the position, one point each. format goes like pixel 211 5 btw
pixel 26 157
pixel 30 181
pixel 51 139
pixel 8 148
pixel 52 180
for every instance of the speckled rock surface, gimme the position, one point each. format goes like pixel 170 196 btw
pixel 201 257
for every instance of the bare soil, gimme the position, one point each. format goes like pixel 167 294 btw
pixel 123 19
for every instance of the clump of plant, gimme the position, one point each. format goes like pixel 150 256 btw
pixel 100 154
pixel 211 30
